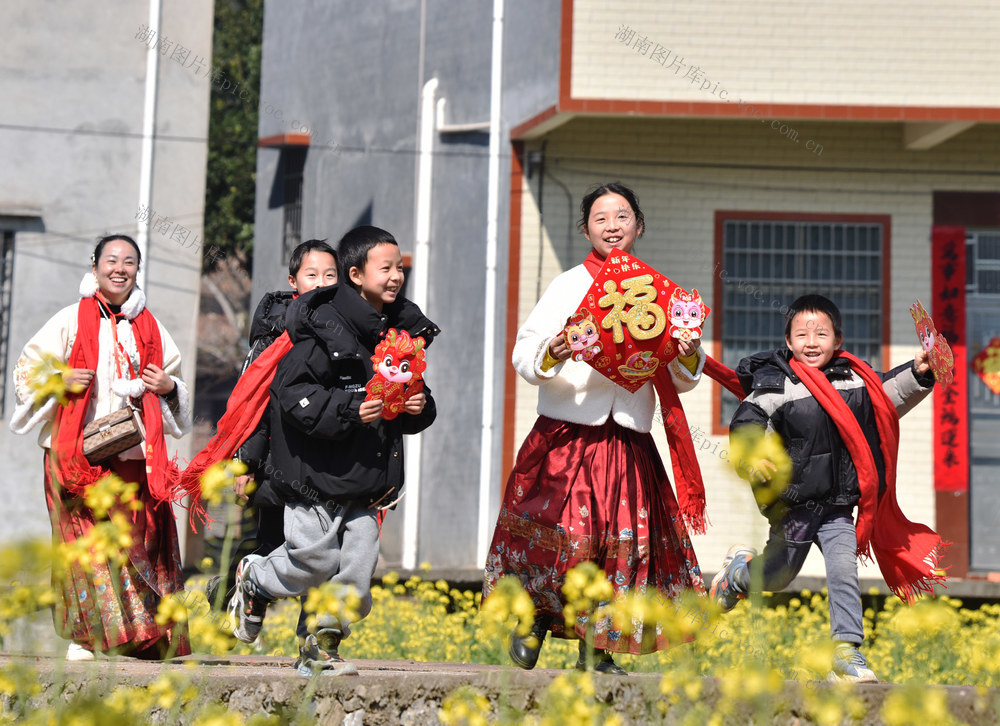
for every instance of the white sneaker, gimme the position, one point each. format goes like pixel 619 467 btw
pixel 75 651
pixel 849 666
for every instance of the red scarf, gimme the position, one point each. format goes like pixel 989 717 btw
pixel 244 409
pixel 687 472
pixel 70 468
pixel 908 554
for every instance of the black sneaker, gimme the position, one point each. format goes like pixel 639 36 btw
pixel 247 606
pixel 318 654
pixel 215 583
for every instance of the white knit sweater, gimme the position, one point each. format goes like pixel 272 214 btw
pixel 573 391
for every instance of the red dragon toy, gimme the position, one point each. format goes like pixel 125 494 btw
pixel 399 366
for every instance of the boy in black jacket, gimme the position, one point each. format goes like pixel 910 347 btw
pixel 818 503
pixel 335 462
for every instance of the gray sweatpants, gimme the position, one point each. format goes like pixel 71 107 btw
pixel 338 545
pixel 785 553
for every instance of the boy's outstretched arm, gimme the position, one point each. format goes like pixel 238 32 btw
pixel 910 383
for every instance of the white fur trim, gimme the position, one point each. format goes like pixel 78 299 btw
pixel 135 303
pixel 180 424
pixel 130 308
pixel 125 387
pixel 685 380
pixel 26 418
pixel 88 285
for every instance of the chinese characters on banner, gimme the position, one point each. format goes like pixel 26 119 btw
pixel 951 406
pixel 626 323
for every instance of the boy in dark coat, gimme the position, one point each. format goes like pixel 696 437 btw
pixel 818 503
pixel 334 461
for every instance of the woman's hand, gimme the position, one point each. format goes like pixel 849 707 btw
pixel 688 347
pixel 922 361
pixel 558 348
pixel 370 410
pixel 156 381
pixel 415 404
pixel 78 378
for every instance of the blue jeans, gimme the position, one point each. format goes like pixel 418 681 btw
pixel 788 543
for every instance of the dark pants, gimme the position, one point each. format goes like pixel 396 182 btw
pixel 788 544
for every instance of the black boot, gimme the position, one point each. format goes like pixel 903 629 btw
pixel 524 651
pixel 603 662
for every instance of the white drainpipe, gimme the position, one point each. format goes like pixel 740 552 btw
pixel 148 129
pixel 418 290
pixel 490 298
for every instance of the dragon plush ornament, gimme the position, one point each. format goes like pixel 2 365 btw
pixel 399 366
pixel 942 360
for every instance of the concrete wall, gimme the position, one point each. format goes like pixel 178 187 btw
pixel 885 52
pixel 351 70
pixel 73 80
pixel 685 170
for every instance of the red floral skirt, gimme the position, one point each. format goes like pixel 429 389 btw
pixel 596 493
pixel 114 607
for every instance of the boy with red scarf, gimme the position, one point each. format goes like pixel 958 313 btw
pixel 312 264
pixel 839 421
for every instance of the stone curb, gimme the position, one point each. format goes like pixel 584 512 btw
pixel 406 692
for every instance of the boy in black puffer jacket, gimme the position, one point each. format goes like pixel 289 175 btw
pixel 334 460
pixel 818 503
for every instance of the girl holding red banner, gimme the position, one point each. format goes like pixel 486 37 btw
pixel 588 484
pixel 114 352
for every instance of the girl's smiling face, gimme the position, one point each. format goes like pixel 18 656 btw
pixel 811 339
pixel 116 271
pixel 382 277
pixel 612 225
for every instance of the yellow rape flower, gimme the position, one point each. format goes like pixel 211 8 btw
pixel 509 598
pixel 130 702
pixel 586 586
pixel 172 609
pixel 109 491
pixel 332 600
pixel 104 543
pixel 465 705
pixel 217 480
pixel 46 379
pixel 749 447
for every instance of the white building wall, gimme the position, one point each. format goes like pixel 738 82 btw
pixel 881 52
pixel 684 171
pixel 72 80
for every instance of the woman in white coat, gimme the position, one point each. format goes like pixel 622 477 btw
pixel 588 483
pixel 117 354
